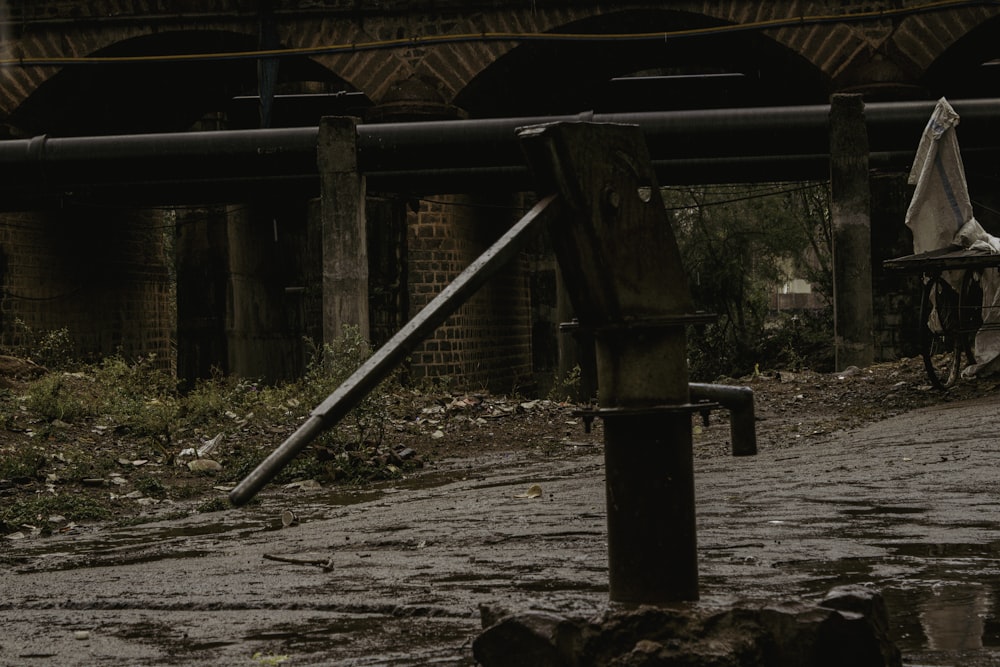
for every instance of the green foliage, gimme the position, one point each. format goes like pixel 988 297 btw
pixel 150 486
pixel 566 388
pixel 328 367
pixel 738 245
pixel 800 342
pixel 52 398
pixel 22 463
pixel 139 396
pixel 213 505
pixel 55 349
pixel 36 510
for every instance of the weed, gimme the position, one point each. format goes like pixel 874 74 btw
pixel 213 505
pixel 150 486
pixel 51 398
pixel 55 349
pixel 567 388
pixel 329 366
pixel 36 510
pixel 22 463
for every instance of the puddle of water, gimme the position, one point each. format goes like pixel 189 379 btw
pixel 943 598
pixel 944 616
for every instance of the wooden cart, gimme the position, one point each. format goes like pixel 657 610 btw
pixel 959 314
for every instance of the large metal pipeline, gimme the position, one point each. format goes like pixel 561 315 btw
pixel 715 145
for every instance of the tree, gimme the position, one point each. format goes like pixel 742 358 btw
pixel 739 243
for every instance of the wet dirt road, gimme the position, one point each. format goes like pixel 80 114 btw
pixel 395 576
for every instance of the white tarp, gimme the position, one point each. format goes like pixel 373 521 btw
pixel 940 215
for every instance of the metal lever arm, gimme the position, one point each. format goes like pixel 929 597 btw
pixel 375 369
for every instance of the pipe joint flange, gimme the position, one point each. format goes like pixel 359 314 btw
pixel 589 414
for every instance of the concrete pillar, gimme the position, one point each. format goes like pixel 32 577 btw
pixel 345 245
pixel 852 252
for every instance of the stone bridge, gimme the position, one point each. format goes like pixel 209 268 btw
pixel 233 286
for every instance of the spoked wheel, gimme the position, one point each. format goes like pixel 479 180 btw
pixel 959 317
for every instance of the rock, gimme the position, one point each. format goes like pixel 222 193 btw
pixel 848 628
pixel 204 465
pixel 533 639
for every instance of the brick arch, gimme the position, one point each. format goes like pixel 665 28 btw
pixel 371 72
pixel 922 39
pixel 914 42
pixel 829 48
pixel 595 66
pixel 18 83
pixel 149 97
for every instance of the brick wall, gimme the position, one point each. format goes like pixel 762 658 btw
pixel 103 275
pixel 487 343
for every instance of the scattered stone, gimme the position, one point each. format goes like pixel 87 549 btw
pixel 81 635
pixel 848 372
pixel 534 491
pixel 304 485
pixel 204 465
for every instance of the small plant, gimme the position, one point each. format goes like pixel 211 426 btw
pixel 567 388
pixel 330 365
pixel 213 505
pixel 139 397
pixel 51 398
pixel 22 463
pixel 150 486
pixel 55 349
pixel 36 511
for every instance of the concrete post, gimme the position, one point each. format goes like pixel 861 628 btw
pixel 345 244
pixel 852 251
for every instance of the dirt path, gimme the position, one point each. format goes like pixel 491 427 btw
pixel 396 575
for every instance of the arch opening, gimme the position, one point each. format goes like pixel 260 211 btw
pixel 133 98
pixel 725 70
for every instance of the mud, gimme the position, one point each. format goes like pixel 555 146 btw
pixel 395 575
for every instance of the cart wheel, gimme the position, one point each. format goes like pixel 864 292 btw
pixel 938 349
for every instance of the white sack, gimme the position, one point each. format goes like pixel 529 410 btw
pixel 940 204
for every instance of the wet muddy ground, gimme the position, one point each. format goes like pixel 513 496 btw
pixel 395 575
